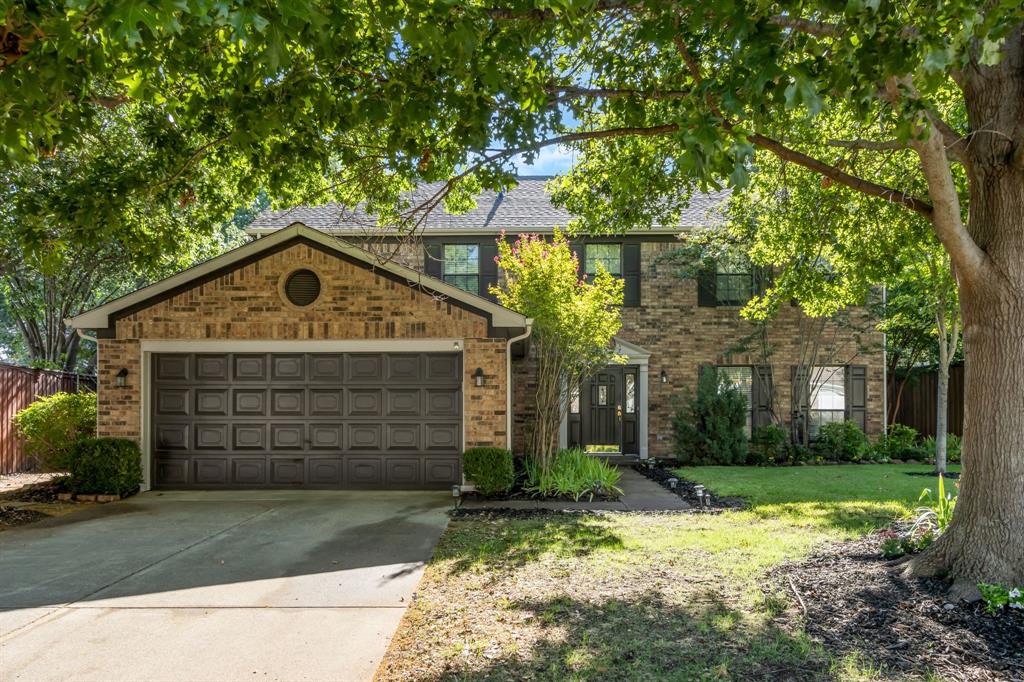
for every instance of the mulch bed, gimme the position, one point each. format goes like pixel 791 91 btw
pixel 931 474
pixel 38 492
pixel 687 489
pixel 856 601
pixel 17 516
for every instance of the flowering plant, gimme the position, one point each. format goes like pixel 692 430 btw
pixel 997 596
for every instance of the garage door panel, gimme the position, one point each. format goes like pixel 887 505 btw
pixel 404 402
pixel 211 436
pixel 210 471
pixel 364 472
pixel 441 436
pixel 287 402
pixel 173 402
pixel 249 471
pixel 212 402
pixel 441 471
pixel 249 436
pixel 365 402
pixel 324 402
pixel 326 436
pixel 326 368
pixel 443 368
pixel 249 367
pixel 331 420
pixel 249 402
pixel 287 436
pixel 288 367
pixel 404 367
pixel 171 471
pixel 403 436
pixel 403 472
pixel 172 436
pixel 364 367
pixel 287 471
pixel 364 437
pixel 172 368
pixel 211 367
pixel 325 471
pixel 442 402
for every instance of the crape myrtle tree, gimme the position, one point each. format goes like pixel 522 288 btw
pixel 356 101
pixel 574 322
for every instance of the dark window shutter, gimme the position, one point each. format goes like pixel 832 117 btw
pixel 762 397
pixel 857 395
pixel 488 268
pixel 706 296
pixel 578 248
pixel 799 400
pixel 631 275
pixel 433 259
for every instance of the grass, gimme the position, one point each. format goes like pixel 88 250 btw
pixel 643 596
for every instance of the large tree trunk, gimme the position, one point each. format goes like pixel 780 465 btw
pixel 984 541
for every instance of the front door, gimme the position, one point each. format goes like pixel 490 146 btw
pixel 603 417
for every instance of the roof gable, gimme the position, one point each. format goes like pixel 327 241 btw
pixel 104 316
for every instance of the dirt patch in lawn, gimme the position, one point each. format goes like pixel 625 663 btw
pixel 857 602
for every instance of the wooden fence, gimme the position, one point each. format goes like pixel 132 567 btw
pixel 19 387
pixel 919 403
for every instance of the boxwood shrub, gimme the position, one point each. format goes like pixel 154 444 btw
pixel 105 466
pixel 490 469
pixel 843 441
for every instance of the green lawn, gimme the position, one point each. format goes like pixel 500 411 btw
pixel 643 596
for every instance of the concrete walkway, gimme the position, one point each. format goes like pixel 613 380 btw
pixel 639 493
pixel 291 585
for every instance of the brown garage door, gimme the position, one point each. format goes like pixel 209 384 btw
pixel 306 420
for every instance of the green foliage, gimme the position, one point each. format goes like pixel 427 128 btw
pixel 105 466
pixel 843 441
pixel 490 469
pixel 953 446
pixel 901 442
pixel 941 506
pixel 53 424
pixel 768 444
pixel 572 473
pixel 709 426
pixel 996 597
pixel 574 321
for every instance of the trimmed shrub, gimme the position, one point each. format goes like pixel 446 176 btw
pixel 51 425
pixel 900 443
pixel 105 466
pixel 843 441
pixel 768 444
pixel 490 469
pixel 572 473
pixel 709 427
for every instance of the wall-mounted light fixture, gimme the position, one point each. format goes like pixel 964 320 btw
pixel 122 377
pixel 664 377
pixel 478 376
pixel 457 346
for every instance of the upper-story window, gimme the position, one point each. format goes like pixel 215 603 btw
pixel 607 255
pixel 734 281
pixel 462 266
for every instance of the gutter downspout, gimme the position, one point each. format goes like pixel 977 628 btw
pixel 508 381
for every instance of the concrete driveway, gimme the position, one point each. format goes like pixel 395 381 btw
pixel 291 585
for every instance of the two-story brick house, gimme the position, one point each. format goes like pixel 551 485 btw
pixel 331 352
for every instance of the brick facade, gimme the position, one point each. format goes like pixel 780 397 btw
pixel 682 336
pixel 355 304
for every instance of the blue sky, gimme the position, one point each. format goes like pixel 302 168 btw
pixel 549 161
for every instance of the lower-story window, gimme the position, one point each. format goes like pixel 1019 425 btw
pixel 827 397
pixel 742 378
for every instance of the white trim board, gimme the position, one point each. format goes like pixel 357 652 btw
pixel 302 346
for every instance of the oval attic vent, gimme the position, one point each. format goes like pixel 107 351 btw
pixel 302 287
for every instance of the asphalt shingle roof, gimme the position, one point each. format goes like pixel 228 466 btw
pixel 525 207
